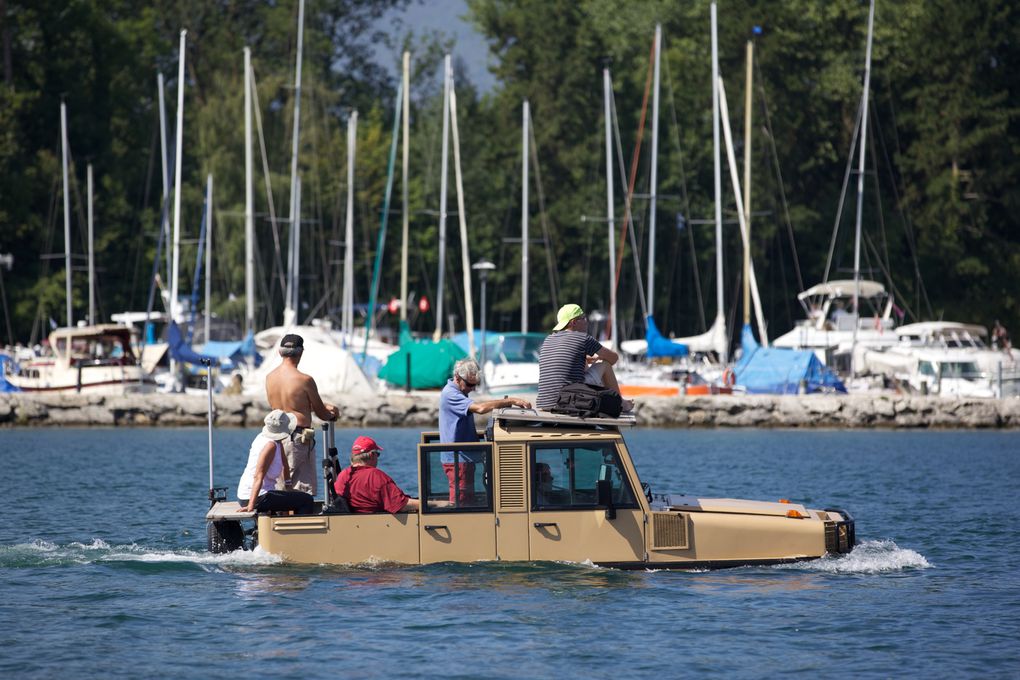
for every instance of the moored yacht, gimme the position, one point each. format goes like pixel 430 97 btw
pixel 832 327
pixel 93 359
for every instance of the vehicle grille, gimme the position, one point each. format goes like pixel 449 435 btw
pixel 669 530
pixel 511 478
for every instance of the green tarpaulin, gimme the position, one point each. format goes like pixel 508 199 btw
pixel 431 362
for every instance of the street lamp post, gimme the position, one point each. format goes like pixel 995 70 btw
pixel 483 267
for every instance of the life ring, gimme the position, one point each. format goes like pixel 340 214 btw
pixel 729 378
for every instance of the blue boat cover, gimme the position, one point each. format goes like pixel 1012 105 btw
pixel 180 350
pixel 234 351
pixel 659 346
pixel 5 362
pixel 772 370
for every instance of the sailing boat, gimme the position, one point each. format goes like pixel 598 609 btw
pixel 97 359
pixel 834 328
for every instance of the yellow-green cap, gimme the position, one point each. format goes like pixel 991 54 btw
pixel 567 314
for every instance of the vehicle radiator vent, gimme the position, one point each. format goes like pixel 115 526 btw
pixel 669 530
pixel 511 478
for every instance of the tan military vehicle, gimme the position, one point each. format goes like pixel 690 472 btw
pixel 546 487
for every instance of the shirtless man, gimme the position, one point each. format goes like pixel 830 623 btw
pixel 295 392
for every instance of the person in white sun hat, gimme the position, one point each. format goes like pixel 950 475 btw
pixel 256 492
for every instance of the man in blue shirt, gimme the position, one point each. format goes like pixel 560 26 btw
pixel 457 424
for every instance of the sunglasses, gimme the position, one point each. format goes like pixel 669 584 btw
pixel 468 384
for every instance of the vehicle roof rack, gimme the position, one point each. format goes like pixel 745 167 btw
pixel 530 416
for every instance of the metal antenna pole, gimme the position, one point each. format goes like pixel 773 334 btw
pixel 208 384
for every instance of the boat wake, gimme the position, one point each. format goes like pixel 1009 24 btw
pixel 868 557
pixel 39 553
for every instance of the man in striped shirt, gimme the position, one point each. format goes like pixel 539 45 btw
pixel 569 355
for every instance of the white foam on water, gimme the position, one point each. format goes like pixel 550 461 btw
pixel 99 550
pixel 869 557
pixel 257 557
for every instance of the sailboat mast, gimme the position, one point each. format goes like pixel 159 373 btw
pixel 718 180
pixel 92 261
pixel 525 114
pixel 249 204
pixel 860 184
pixel 741 217
pixel 293 259
pixel 403 183
pixel 654 173
pixel 164 223
pixel 67 213
pixel 465 257
pixel 610 214
pixel 208 256
pixel 447 77
pixel 348 296
pixel 747 183
pixel 178 163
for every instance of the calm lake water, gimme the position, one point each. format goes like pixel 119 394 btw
pixel 104 571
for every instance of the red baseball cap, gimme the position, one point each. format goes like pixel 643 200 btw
pixel 365 444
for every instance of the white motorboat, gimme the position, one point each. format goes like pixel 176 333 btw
pixel 931 370
pixel 829 328
pixel 511 362
pixel 90 359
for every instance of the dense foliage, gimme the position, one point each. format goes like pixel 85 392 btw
pixel 940 200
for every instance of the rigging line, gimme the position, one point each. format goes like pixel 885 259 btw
pixel 778 171
pixel 628 216
pixel 268 311
pixel 554 282
pixel 884 255
pixel 141 207
pixel 907 222
pixel 842 193
pixel 686 197
pixel 892 286
pixel 7 314
pixel 634 159
pixel 257 108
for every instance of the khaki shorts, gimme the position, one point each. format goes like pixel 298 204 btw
pixel 304 471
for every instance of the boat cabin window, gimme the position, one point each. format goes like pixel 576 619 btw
pixel 518 349
pixel 456 477
pixel 564 476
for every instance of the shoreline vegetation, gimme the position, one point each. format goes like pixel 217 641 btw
pixel 420 410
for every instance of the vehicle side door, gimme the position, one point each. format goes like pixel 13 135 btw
pixel 458 522
pixel 567 522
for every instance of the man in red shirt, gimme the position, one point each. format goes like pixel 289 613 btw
pixel 366 487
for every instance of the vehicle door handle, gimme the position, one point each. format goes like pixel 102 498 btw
pixel 436 527
pixel 542 525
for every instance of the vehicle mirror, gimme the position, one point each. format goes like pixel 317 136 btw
pixel 604 497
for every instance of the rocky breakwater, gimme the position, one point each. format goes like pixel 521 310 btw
pixel 420 410
pixel 176 410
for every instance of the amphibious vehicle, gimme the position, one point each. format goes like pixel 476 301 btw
pixel 546 487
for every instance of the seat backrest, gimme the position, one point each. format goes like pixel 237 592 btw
pixel 335 505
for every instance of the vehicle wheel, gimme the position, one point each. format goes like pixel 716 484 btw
pixel 225 536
